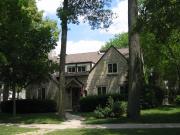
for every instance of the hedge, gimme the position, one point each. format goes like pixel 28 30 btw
pixel 29 106
pixel 90 103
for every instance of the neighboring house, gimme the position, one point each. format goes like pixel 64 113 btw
pixel 93 73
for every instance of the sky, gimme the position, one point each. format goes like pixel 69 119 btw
pixel 80 37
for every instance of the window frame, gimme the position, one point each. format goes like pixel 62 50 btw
pixel 81 68
pixel 71 68
pixel 112 68
pixel 101 90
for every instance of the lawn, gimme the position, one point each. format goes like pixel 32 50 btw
pixel 174 131
pixel 11 130
pixel 44 118
pixel 164 114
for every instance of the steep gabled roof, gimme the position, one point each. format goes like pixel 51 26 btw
pixel 124 52
pixel 93 57
pixel 83 57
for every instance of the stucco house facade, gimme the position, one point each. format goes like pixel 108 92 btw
pixel 93 73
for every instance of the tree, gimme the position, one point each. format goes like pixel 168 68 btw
pixel 118 41
pixel 95 12
pixel 135 62
pixel 25 40
pixel 165 27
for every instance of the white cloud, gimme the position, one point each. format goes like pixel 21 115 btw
pixel 120 24
pixel 48 6
pixel 81 46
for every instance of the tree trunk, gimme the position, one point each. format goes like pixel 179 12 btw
pixel 14 100
pixel 61 110
pixel 6 92
pixel 135 62
pixel 178 78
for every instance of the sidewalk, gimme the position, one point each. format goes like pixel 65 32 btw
pixel 76 125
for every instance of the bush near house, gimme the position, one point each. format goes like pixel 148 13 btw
pixel 152 96
pixel 90 103
pixel 177 100
pixel 113 109
pixel 29 106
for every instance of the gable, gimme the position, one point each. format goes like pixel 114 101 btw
pixel 112 55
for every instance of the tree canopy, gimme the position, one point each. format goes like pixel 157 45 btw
pixel 25 41
pixel 118 41
pixel 159 21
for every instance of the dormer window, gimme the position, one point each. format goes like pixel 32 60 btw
pixel 112 68
pixel 71 69
pixel 81 68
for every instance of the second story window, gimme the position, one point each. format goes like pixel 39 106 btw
pixel 71 69
pixel 81 68
pixel 112 68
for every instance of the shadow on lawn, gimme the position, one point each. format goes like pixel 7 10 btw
pixel 131 132
pixel 44 118
pixel 160 118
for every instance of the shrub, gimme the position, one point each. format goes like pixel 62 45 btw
pixel 119 108
pixel 90 103
pixel 177 100
pixel 29 106
pixel 99 112
pixel 113 109
pixel 152 96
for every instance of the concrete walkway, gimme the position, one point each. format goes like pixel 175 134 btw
pixel 101 126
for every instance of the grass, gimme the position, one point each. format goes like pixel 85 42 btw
pixel 11 130
pixel 164 114
pixel 44 118
pixel 174 131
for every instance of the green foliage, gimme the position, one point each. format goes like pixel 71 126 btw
pixel 89 103
pixel 160 17
pixel 119 108
pixel 3 59
pixel 25 41
pixel 96 12
pixel 119 41
pixel 177 100
pixel 29 106
pixel 160 41
pixel 112 109
pixel 151 97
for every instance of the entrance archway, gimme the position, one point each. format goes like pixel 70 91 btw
pixel 73 94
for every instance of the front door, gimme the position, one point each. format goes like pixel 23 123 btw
pixel 75 98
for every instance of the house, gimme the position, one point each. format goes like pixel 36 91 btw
pixel 93 73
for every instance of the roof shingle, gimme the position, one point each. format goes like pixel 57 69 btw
pixel 91 56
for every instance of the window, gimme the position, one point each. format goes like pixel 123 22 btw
pixel 102 90
pixel 71 69
pixel 42 93
pixel 85 93
pixel 123 90
pixel 112 68
pixel 81 68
